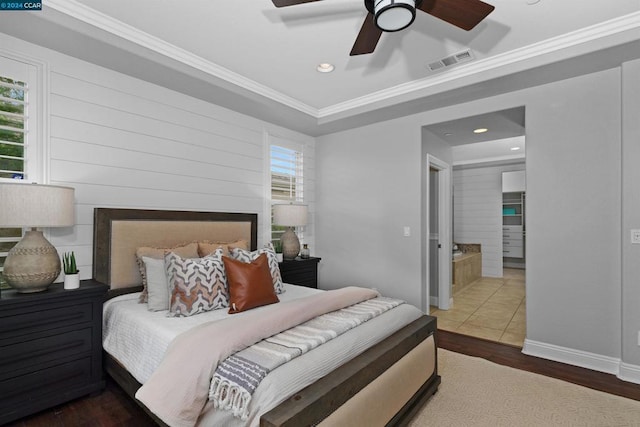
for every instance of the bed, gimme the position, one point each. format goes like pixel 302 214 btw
pixel 380 378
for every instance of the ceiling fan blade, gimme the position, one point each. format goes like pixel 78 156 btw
pixel 285 3
pixel 367 37
pixel 464 14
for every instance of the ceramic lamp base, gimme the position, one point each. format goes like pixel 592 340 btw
pixel 33 264
pixel 290 244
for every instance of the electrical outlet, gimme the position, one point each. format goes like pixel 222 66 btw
pixel 635 237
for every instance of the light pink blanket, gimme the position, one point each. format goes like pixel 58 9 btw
pixel 177 391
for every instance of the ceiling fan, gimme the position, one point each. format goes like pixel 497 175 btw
pixel 395 15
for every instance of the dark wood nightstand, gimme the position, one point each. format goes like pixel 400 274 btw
pixel 50 347
pixel 299 271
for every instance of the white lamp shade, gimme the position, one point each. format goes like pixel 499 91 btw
pixel 290 215
pixel 35 205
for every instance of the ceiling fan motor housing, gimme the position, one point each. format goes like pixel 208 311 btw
pixel 392 15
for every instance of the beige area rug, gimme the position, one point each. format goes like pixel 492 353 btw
pixel 476 392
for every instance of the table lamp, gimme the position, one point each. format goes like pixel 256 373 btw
pixel 33 264
pixel 290 216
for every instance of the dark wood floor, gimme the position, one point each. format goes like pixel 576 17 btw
pixel 512 356
pixel 113 408
pixel 109 409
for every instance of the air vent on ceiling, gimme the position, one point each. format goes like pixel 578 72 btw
pixel 449 61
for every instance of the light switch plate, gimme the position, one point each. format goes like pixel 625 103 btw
pixel 635 237
pixel 407 231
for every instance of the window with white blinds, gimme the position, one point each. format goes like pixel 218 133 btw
pixel 287 182
pixel 13 131
pixel 13 120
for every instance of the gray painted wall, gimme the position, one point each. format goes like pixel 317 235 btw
pixel 371 190
pixel 573 213
pixel 369 187
pixel 630 211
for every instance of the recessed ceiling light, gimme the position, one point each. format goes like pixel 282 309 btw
pixel 480 130
pixel 325 67
pixel 515 148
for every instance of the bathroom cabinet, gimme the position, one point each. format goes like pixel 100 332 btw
pixel 466 269
pixel 513 225
pixel 512 241
pixel 513 181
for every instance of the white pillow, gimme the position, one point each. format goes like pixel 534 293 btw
pixel 247 257
pixel 157 284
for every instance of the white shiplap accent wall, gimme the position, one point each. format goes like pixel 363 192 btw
pixel 123 142
pixel 477 212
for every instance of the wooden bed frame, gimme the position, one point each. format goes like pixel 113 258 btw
pixel 313 404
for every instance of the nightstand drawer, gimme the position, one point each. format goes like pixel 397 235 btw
pixel 36 321
pixel 302 272
pixel 50 384
pixel 302 278
pixel 22 356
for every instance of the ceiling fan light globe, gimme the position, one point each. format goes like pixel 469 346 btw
pixel 394 15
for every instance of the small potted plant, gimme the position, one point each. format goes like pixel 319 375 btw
pixel 71 276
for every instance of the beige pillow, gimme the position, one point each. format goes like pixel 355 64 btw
pixel 189 250
pixel 206 247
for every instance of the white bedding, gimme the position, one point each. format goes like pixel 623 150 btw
pixel 138 339
pixel 130 330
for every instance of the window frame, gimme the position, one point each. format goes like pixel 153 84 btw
pixel 32 73
pixel 35 142
pixel 10 128
pixel 298 148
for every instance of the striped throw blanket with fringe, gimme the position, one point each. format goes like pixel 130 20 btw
pixel 238 376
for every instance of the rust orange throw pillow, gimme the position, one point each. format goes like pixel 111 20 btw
pixel 250 284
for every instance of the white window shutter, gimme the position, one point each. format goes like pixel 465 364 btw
pixel 287 181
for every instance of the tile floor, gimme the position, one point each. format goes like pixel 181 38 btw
pixel 490 308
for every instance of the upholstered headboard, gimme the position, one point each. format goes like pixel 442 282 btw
pixel 117 233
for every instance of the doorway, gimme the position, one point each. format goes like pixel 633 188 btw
pixel 438 232
pixel 492 304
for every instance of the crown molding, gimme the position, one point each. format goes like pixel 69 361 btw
pixel 504 63
pixel 118 28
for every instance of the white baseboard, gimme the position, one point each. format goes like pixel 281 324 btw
pixel 584 359
pixel 629 373
pixel 434 301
